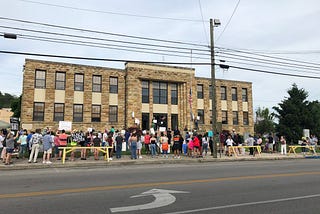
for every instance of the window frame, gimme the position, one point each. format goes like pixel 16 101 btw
pixel 224 117
pixel 199 91
pixel 162 96
pixel 56 116
pixel 113 88
pixel 223 92
pixel 38 115
pixel 200 113
pixel 96 115
pixel 38 80
pixel 113 113
pixel 60 84
pixel 174 93
pixel 234 94
pixel 235 118
pixel 244 95
pixel 78 85
pixel 96 86
pixel 145 93
pixel 246 118
pixel 77 115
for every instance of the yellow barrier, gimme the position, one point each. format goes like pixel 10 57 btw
pixel 293 149
pixel 67 150
pixel 257 148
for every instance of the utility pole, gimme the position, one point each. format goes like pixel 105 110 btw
pixel 213 86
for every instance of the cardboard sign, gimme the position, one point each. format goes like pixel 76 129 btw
pixel 66 125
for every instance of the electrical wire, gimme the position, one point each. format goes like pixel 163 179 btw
pixel 113 13
pixel 101 32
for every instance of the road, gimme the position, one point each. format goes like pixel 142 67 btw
pixel 284 186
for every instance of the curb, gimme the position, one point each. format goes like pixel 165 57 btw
pixel 115 163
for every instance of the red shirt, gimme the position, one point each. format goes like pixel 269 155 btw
pixel 147 139
pixel 63 139
pixel 196 142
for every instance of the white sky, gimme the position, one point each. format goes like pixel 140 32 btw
pixel 274 25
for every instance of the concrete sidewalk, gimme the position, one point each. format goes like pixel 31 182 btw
pixel 146 159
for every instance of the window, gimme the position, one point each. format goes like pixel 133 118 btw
pixel 38 112
pixel 40 80
pixel 224 117
pixel 145 121
pixel 223 91
pixel 114 85
pixel 234 94
pixel 200 91
pixel 77 113
pixel 113 113
pixel 200 116
pixel 174 122
pixel 245 118
pixel 244 95
pixel 235 118
pixel 78 82
pixel 145 91
pixel 60 80
pixel 96 83
pixel 210 91
pixel 58 114
pixel 96 113
pixel 210 116
pixel 174 94
pixel 160 92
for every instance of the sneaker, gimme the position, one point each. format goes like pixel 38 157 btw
pixel 140 157
pixel 35 161
pixel 48 162
pixel 44 162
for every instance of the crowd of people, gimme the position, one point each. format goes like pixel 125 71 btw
pixel 28 144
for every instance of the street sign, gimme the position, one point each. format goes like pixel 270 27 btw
pixel 162 198
pixel 14 123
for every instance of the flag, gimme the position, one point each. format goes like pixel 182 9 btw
pixel 190 103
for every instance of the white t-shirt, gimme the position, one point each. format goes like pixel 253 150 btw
pixel 229 142
pixel 1 140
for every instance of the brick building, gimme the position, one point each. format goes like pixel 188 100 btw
pixel 145 94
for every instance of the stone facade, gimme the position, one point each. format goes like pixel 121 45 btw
pixel 128 98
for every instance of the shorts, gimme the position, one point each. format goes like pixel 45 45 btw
pixel 49 151
pixel 10 151
pixel 176 146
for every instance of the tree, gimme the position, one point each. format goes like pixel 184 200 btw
pixel 16 106
pixel 264 121
pixel 293 114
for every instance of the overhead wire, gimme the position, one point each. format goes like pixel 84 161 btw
pixel 113 13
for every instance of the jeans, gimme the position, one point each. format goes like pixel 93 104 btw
pixel 118 150
pixel 153 149
pixel 34 151
pixel 23 150
pixel 133 150
pixel 283 149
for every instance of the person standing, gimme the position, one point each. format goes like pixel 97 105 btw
pixel 35 142
pixel 283 145
pixel 119 141
pixel 47 148
pixel 96 143
pixel 147 143
pixel 164 144
pixel 133 145
pixel 63 141
pixel 10 141
pixel 153 146
pixel 23 143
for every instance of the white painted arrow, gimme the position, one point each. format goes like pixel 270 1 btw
pixel 162 198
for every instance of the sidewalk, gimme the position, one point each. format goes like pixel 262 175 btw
pixel 126 160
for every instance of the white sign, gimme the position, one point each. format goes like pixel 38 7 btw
pixel 137 121
pixel 66 125
pixel 162 129
pixel 152 131
pixel 162 198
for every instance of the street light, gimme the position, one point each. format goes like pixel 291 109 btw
pixel 213 24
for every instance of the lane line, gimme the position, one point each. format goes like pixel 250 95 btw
pixel 247 204
pixel 154 184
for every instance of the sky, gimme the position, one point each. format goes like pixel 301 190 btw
pixel 279 36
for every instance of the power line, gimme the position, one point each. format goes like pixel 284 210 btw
pixel 155 62
pixel 101 32
pixel 272 57
pixel 100 39
pixel 203 23
pixel 225 27
pixel 112 13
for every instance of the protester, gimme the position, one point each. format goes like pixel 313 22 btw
pixel 47 148
pixel 34 143
pixel 10 144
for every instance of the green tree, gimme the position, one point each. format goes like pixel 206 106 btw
pixel 16 106
pixel 264 121
pixel 293 114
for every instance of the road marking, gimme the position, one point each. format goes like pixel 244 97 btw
pixel 162 198
pixel 140 185
pixel 247 204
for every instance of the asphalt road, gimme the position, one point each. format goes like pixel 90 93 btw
pixel 284 186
